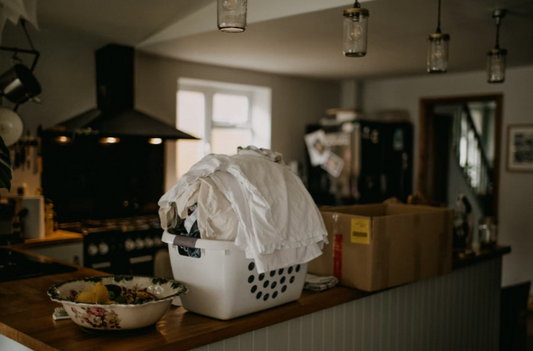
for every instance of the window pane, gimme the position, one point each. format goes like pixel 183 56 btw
pixel 191 112
pixel 191 119
pixel 226 140
pixel 230 108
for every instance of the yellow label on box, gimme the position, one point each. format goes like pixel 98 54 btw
pixel 360 233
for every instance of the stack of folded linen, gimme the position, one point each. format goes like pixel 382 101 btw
pixel 318 283
pixel 251 198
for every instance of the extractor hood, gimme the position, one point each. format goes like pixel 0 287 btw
pixel 116 114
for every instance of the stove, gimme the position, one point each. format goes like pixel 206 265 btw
pixel 15 265
pixel 120 246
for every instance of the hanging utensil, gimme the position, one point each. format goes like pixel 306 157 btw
pixel 11 126
pixel 19 84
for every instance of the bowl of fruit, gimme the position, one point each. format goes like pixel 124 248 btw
pixel 116 302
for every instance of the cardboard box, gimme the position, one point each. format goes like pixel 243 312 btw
pixel 373 247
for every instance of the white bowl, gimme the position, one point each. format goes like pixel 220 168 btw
pixel 117 316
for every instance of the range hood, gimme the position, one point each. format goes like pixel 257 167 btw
pixel 116 114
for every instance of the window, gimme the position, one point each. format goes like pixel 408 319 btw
pixel 224 116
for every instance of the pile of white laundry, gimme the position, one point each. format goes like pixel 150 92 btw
pixel 251 198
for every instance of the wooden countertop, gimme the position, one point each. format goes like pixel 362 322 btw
pixel 57 238
pixel 487 254
pixel 26 317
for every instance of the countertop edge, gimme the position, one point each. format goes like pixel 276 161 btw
pixel 59 237
pixel 484 255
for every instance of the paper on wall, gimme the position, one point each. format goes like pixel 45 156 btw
pixel 333 165
pixel 12 10
pixel 318 147
pixel 11 14
pixel 15 9
pixel 31 12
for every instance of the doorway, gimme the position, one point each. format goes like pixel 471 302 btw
pixel 459 151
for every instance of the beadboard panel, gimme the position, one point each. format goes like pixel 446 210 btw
pixel 457 311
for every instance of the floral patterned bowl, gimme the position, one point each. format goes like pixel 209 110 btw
pixel 117 316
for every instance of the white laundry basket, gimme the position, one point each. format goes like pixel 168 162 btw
pixel 224 284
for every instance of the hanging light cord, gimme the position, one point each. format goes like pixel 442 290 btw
pixel 357 5
pixel 438 20
pixel 23 23
pixel 497 32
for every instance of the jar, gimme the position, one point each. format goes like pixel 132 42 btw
pixel 232 16
pixel 355 32
pixel 488 232
pixel 437 54
pixel 496 65
pixel 462 233
pixel 49 219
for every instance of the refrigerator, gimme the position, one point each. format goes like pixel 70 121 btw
pixel 378 163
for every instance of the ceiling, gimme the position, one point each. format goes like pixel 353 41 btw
pixel 303 37
pixel 127 22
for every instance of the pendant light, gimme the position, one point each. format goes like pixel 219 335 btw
pixel 355 31
pixel 496 57
pixel 437 60
pixel 232 16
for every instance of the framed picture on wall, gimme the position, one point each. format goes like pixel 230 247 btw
pixel 520 148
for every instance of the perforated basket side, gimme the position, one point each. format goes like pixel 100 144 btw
pixel 224 284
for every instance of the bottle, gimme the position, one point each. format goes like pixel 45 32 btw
pixel 337 247
pixel 49 218
pixel 488 232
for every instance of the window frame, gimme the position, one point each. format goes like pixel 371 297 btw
pixel 209 123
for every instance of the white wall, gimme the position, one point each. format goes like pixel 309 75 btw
pixel 516 189
pixel 65 72
pixel 295 101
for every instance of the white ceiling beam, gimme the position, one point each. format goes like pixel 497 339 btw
pixel 204 20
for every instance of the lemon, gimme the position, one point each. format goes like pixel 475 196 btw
pixel 101 293
pixel 86 296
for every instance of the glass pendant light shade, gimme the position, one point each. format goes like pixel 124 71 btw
pixel 496 57
pixel 232 16
pixel 355 32
pixel 437 60
pixel 438 43
pixel 496 65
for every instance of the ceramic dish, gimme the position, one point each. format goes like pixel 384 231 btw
pixel 117 316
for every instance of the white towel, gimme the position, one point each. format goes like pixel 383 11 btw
pixel 319 283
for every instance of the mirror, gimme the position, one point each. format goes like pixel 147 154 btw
pixel 459 151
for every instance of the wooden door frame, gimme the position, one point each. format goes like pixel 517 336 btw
pixel 424 142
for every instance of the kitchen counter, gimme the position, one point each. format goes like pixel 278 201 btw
pixel 58 237
pixel 26 315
